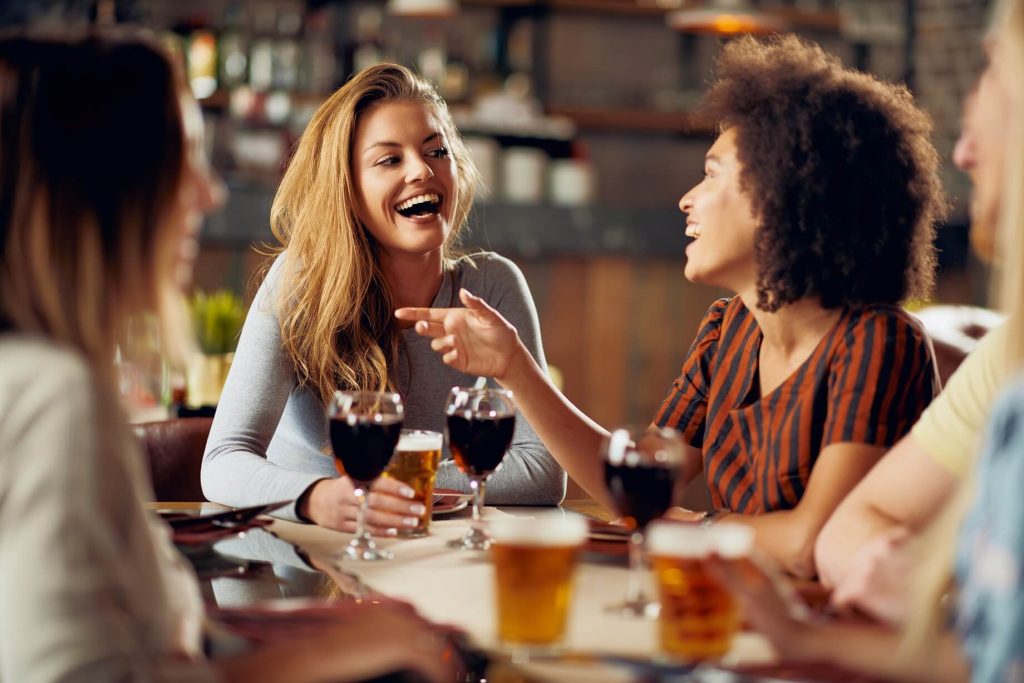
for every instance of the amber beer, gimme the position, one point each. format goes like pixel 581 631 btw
pixel 698 616
pixel 534 562
pixel 415 462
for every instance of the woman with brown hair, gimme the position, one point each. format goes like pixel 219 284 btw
pixel 368 215
pixel 817 208
pixel 103 187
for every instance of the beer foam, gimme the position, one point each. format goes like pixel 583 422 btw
pixel 545 529
pixel 675 539
pixel 419 440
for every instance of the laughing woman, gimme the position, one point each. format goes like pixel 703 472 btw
pixel 368 214
pixel 817 209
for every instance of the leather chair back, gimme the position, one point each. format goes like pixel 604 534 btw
pixel 175 452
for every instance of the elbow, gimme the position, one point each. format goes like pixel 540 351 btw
pixel 799 559
pixel 828 553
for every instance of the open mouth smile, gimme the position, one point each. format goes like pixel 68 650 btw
pixel 421 206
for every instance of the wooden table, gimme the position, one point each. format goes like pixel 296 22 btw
pixel 290 560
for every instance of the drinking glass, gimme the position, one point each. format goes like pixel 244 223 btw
pixel 699 617
pixel 364 429
pixel 480 426
pixel 415 463
pixel 534 566
pixel 641 466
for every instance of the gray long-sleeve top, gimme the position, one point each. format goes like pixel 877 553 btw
pixel 269 438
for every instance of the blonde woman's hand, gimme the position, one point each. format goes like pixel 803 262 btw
pixel 878 579
pixel 475 340
pixel 332 503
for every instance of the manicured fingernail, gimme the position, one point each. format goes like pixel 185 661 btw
pixel 391 532
pixel 417 508
pixel 406 492
pixel 410 521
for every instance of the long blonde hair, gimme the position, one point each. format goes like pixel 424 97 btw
pixel 934 572
pixel 92 154
pixel 335 307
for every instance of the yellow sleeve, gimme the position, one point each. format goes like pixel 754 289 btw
pixel 951 427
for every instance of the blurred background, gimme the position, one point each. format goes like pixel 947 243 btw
pixel 579 115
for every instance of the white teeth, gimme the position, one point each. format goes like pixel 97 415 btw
pixel 692 231
pixel 418 199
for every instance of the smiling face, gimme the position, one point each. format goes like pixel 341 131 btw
pixel 981 149
pixel 722 223
pixel 404 177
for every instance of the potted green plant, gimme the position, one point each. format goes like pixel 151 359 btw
pixel 217 319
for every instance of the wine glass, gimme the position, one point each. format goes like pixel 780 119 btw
pixel 641 466
pixel 364 429
pixel 480 426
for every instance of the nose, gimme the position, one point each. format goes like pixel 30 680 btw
pixel 963 152
pixel 686 201
pixel 212 190
pixel 419 169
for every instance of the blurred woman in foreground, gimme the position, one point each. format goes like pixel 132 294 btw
pixel 103 186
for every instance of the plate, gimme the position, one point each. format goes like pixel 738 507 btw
pixel 449 501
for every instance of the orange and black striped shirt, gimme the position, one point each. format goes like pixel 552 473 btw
pixel 867 381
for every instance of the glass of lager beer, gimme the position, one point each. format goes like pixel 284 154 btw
pixel 698 616
pixel 415 462
pixel 534 561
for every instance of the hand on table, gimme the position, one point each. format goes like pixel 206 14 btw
pixel 332 503
pixel 877 581
pixel 770 606
pixel 475 340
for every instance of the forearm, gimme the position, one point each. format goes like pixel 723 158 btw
pixel 879 653
pixel 528 476
pixel 572 438
pixel 785 536
pixel 855 522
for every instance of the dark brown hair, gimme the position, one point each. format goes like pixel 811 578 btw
pixel 840 172
pixel 91 159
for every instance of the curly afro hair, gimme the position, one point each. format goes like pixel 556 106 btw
pixel 840 172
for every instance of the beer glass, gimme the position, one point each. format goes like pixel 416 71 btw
pixel 480 425
pixel 641 466
pixel 699 617
pixel 364 428
pixel 415 463
pixel 534 562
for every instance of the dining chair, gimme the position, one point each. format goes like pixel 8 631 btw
pixel 174 449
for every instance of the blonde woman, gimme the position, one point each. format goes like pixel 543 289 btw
pixel 102 189
pixel 986 641
pixel 368 214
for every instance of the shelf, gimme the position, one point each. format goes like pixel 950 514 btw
pixel 641 120
pixel 796 18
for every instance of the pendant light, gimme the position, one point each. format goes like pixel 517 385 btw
pixel 723 17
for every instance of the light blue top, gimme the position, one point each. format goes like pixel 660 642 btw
pixel 990 554
pixel 269 437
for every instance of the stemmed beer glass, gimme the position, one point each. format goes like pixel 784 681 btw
pixel 364 429
pixel 641 466
pixel 480 427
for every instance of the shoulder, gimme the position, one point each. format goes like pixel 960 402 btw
pixel 490 275
pixel 884 322
pixel 487 265
pixel 724 312
pixel 40 379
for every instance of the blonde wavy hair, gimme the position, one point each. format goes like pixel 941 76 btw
pixel 87 176
pixel 335 307
pixel 934 573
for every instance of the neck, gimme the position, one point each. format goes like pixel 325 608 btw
pixel 794 327
pixel 412 278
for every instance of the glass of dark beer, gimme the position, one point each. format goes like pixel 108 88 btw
pixel 364 429
pixel 641 467
pixel 480 423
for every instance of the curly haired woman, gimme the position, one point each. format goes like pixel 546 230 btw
pixel 817 209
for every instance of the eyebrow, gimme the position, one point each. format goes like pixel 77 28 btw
pixel 391 143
